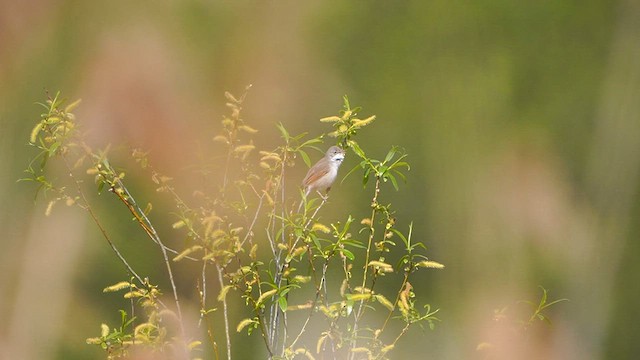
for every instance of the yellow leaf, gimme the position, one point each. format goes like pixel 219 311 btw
pixel 265 295
pixel 330 119
pixel 307 305
pixel 273 157
pixel 117 287
pixel 387 348
pixel 178 224
pixel 142 327
pixel 430 264
pixel 301 279
pixel 244 324
pixel 269 198
pixel 218 233
pixel 248 129
pixel 320 227
pixel 360 123
pixel 253 251
pixel 221 138
pixel 303 351
pixel 133 294
pixel 35 132
pixel 72 106
pixel 47 212
pixel 484 346
pixel 384 267
pixel 230 97
pixel 384 301
pixel 244 148
pixel 186 252
pixel 321 340
pixel 104 330
pixel 223 292
pixel 358 297
pixel 94 341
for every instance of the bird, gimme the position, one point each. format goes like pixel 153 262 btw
pixel 322 175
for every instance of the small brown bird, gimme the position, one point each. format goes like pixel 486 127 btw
pixel 322 175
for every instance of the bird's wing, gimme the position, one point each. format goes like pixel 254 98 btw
pixel 313 175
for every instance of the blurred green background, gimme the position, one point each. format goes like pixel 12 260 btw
pixel 521 120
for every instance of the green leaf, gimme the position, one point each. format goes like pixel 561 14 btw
pixel 305 157
pixel 402 176
pixel 365 177
pixel 283 131
pixel 398 164
pixel 356 149
pixel 345 99
pixel 349 173
pixel 543 300
pixel 393 181
pixel 100 186
pixel 402 237
pixel 316 241
pixel 282 302
pixel 53 148
pixel 390 154
pixel 349 255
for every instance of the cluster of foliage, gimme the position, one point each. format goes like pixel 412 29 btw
pixel 280 272
pixel 281 277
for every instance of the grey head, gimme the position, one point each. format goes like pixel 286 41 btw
pixel 335 154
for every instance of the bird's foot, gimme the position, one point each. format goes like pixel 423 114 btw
pixel 323 196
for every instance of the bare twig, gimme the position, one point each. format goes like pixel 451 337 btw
pixel 225 313
pixel 103 231
pixel 374 203
pixel 144 222
pixel 319 288
pixel 204 313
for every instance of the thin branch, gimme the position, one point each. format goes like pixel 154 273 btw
pixel 225 313
pixel 129 201
pixel 358 315
pixel 204 313
pixel 395 303
pixel 319 288
pixel 253 222
pixel 103 231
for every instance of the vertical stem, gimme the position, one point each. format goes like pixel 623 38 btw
pixel 395 303
pixel 374 205
pixel 225 314
pixel 274 312
pixel 204 314
pixel 144 221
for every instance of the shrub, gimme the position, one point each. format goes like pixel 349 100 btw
pixel 279 272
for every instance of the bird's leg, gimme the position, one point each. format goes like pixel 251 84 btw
pixel 324 196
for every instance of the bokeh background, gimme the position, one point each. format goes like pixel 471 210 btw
pixel 521 118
